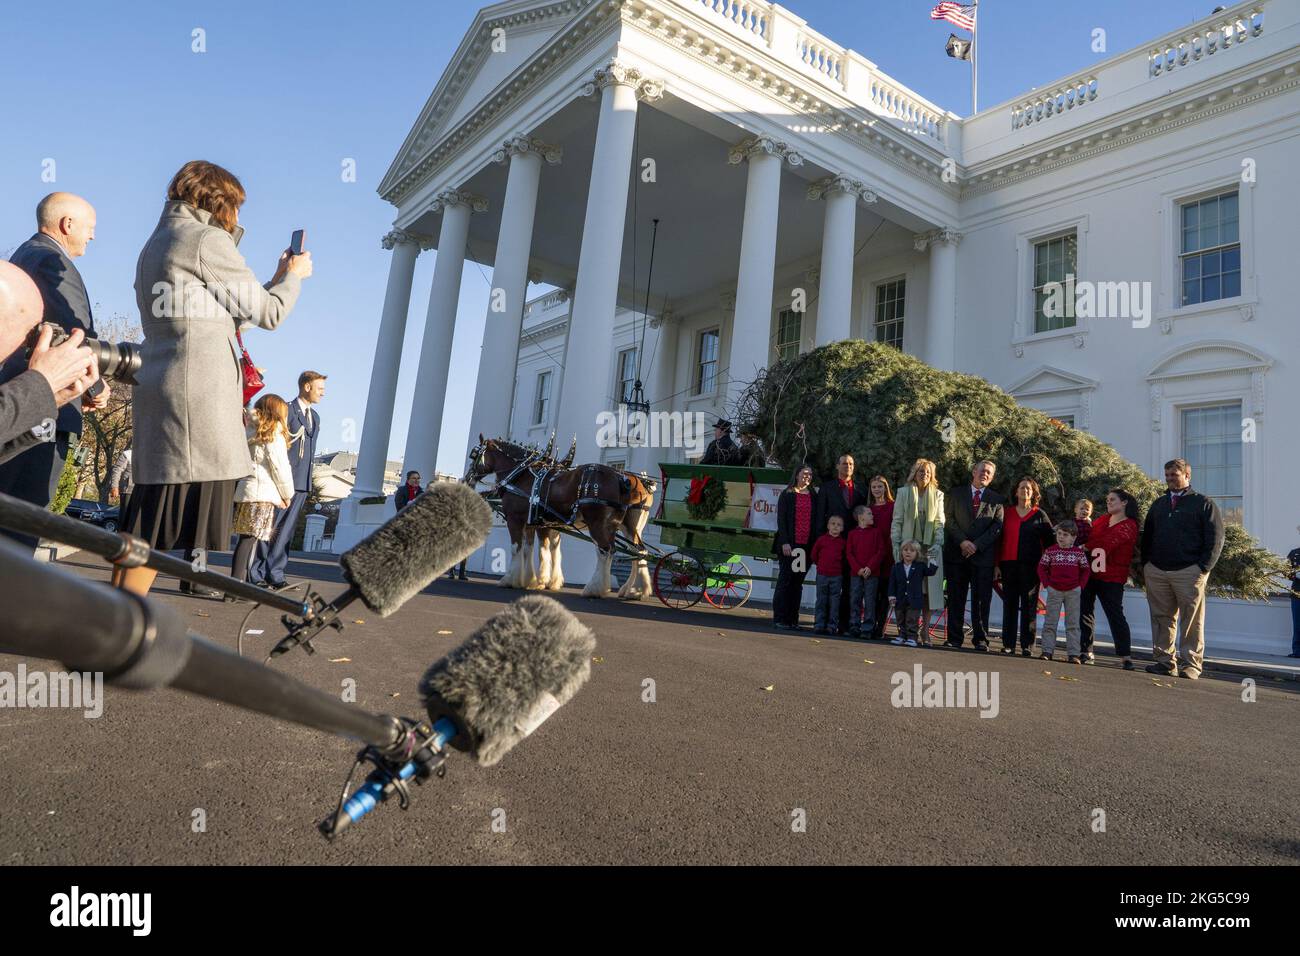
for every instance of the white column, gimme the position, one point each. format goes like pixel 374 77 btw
pixel 659 385
pixel 439 325
pixel 835 295
pixel 500 355
pixel 751 330
pixel 378 425
pixel 941 320
pixel 588 358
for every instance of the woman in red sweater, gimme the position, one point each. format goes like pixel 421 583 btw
pixel 1111 544
pixel 1026 531
pixel 881 502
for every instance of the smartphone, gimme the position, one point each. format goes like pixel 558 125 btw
pixel 296 242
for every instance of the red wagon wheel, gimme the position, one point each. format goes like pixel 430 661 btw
pixel 679 580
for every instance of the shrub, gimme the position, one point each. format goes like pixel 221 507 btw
pixel 887 409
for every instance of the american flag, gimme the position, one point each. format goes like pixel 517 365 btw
pixel 962 15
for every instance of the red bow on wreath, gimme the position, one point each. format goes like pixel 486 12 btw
pixel 697 489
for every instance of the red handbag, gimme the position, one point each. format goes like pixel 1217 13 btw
pixel 252 377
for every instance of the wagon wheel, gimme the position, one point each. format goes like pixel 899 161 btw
pixel 732 587
pixel 678 580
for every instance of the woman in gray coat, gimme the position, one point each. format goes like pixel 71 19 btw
pixel 194 291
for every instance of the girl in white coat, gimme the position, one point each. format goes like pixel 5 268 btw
pixel 270 486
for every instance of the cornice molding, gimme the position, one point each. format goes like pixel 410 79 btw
pixel 1126 130
pixel 765 145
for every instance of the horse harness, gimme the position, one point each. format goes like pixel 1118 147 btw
pixel 540 511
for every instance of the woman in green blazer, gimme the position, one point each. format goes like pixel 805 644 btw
pixel 918 516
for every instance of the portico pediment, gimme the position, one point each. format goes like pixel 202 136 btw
pixel 502 38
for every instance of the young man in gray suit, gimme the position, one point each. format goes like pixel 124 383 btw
pixel 65 227
pixel 272 557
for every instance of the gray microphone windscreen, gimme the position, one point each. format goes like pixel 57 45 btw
pixel 509 676
pixel 436 531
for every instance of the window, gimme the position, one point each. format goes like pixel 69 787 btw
pixel 626 374
pixel 1054 259
pixel 1210 257
pixel 890 297
pixel 542 403
pixel 789 330
pixel 706 368
pixel 1212 446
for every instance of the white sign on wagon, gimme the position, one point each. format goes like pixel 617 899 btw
pixel 762 507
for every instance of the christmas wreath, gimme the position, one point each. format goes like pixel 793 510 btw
pixel 706 499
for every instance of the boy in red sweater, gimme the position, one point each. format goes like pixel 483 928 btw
pixel 1063 571
pixel 865 551
pixel 828 558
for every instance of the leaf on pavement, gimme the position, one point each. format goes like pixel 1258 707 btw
pixel 444 631
pixel 815 641
pixel 865 661
pixel 358 621
pixel 202 614
pixel 768 687
pixel 598 660
pixel 340 660
pixel 1047 673
pixel 1073 679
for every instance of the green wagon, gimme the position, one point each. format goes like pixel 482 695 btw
pixel 713 534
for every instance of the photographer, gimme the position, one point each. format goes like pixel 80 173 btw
pixel 65 227
pixel 195 293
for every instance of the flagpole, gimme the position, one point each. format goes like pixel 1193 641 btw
pixel 975 61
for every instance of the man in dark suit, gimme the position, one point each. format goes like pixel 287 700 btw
pixel 722 450
pixel 971 530
pixel 65 225
pixel 838 498
pixel 272 557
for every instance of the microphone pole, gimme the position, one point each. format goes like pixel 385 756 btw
pixel 126 551
pixel 53 614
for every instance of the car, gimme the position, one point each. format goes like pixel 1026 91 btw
pixel 109 519
pixel 80 507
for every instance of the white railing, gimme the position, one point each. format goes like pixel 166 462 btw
pixel 892 100
pixel 1054 101
pixel 750 16
pixel 787 37
pixel 821 57
pixel 1179 51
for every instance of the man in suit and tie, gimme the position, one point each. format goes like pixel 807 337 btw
pixel 838 498
pixel 65 226
pixel 272 557
pixel 972 528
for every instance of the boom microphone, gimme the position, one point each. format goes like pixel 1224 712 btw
pixel 509 676
pixel 485 696
pixel 436 531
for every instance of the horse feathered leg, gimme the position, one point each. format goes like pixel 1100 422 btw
pixel 556 582
pixel 543 578
pixel 527 569
pixel 637 585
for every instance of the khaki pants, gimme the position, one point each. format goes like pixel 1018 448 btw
pixel 1054 600
pixel 1177 602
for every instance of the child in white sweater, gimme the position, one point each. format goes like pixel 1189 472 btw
pixel 270 486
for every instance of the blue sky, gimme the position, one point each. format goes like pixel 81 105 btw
pixel 284 94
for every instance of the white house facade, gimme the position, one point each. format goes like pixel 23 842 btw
pixel 1155 189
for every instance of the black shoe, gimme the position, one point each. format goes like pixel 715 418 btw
pixel 462 578
pixel 955 647
pixel 982 648
pixel 1009 650
pixel 1161 669
pixel 276 585
pixel 198 590
pixel 1129 666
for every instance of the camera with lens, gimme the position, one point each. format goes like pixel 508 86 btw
pixel 118 361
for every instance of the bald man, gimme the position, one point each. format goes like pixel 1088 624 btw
pixel 54 377
pixel 65 226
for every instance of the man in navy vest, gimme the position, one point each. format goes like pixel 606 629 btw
pixel 272 557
